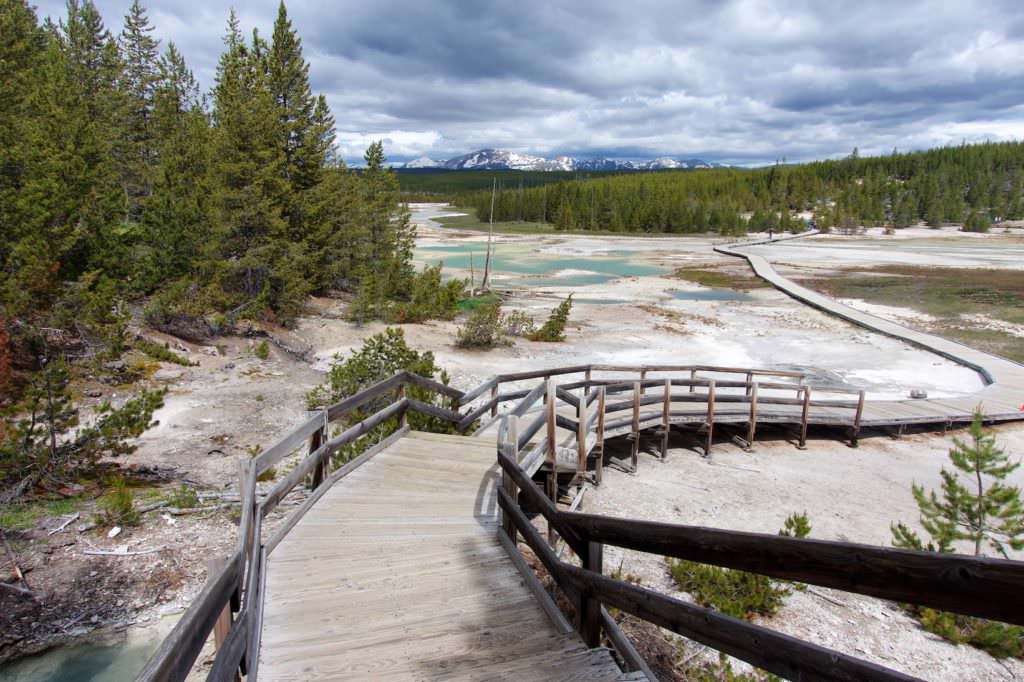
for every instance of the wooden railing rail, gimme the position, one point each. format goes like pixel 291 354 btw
pixel 982 587
pixel 237 588
pixel 243 574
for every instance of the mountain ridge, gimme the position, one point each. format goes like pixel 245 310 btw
pixel 501 159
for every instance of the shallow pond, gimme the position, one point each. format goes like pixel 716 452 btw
pixel 114 662
pixel 522 265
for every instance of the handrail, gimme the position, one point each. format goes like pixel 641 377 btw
pixel 245 570
pixel 976 586
pixel 244 573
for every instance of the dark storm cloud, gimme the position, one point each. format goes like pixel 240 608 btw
pixel 747 81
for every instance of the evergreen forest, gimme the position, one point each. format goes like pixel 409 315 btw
pixel 967 184
pixel 128 192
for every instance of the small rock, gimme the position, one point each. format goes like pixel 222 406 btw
pixel 94 619
pixel 93 574
pixel 229 365
pixel 114 532
pixel 120 603
pixel 94 393
pixel 116 365
pixel 209 350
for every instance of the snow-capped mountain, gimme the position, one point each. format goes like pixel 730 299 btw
pixel 500 159
pixel 492 159
pixel 422 162
pixel 663 163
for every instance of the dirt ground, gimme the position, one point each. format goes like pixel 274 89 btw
pixel 233 403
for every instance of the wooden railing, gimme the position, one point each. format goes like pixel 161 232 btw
pixel 231 602
pixel 982 587
pixel 233 596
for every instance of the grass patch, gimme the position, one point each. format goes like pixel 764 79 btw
pixel 26 514
pixel 468 305
pixel 943 293
pixel 719 278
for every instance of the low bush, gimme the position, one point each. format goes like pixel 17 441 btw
pixel 482 329
pixel 262 350
pixel 381 356
pixel 553 329
pixel 737 593
pixel 117 507
pixel 162 353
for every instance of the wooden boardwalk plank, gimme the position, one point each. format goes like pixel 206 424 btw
pixel 396 574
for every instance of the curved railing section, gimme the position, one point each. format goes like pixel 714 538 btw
pixel 559 419
pixel 976 586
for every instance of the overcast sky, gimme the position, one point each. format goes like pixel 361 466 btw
pixel 737 82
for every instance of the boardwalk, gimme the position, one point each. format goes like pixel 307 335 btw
pixel 397 573
pixel 1002 398
pixel 394 568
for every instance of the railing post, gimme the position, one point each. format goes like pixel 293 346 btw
pixel 552 483
pixel 855 433
pixel 752 424
pixel 494 397
pixel 636 425
pixel 803 417
pixel 709 423
pixel 643 376
pixel 403 417
pixel 586 378
pixel 665 415
pixel 750 379
pixel 316 439
pixel 693 378
pixel 589 611
pixel 581 434
pixel 511 446
pixel 600 433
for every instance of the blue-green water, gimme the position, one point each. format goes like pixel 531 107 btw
pixel 87 662
pixel 712 295
pixel 537 269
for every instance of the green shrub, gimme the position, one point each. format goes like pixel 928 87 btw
pixel 796 526
pixel 482 329
pixel 117 508
pixel 381 356
pixel 976 222
pixel 430 299
pixel 163 353
pixel 262 351
pixel 518 323
pixel 737 593
pixel 554 328
pixel 183 497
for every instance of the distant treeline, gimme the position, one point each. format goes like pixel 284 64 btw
pixel 434 184
pixel 964 184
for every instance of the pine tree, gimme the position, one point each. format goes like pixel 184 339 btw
pixel 255 265
pixel 175 214
pixel 140 55
pixel 297 110
pixel 86 126
pixel 975 506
